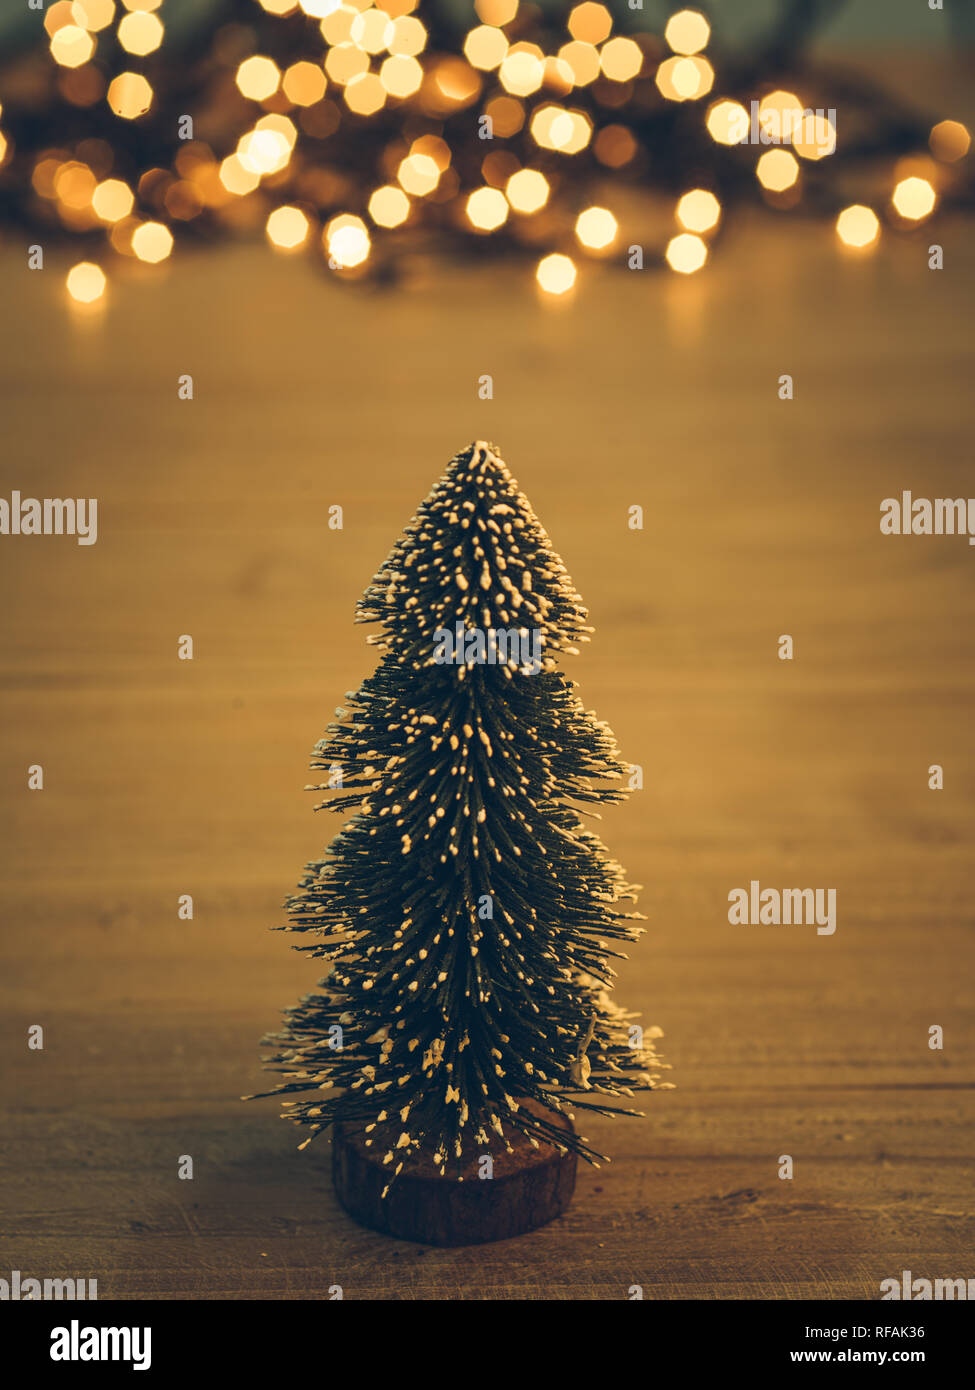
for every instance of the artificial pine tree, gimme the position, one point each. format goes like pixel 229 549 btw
pixel 468 918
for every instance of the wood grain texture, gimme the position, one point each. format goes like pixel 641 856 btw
pixel 166 777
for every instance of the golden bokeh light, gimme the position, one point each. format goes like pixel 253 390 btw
pixel 857 226
pixel 615 146
pixel 527 190
pixel 129 95
pixel 949 141
pixel 337 25
pixel 407 36
pixel 365 94
pixel 4 147
pixel 686 253
pixel 304 83
pixel 777 170
pixel 485 47
pixel 621 59
pixel 372 30
pixel 684 79
pixel 112 200
pixel 487 209
pixel 263 152
pixel 74 185
pixel 287 228
pixel 120 235
pixel 401 76
pixel 914 198
pixel 507 116
pixel 558 76
pixel 698 210
pixel 590 23
pixel 437 149
pixel 496 12
pixel 152 242
pixel 44 176
pixel 556 274
pixel 58 15
pixel 522 70
pixel 785 121
pixel 814 137
pixel 780 115
pixel 258 77
pixel 281 125
pixel 71 46
pixel 554 128
pixel 456 81
pixel 498 166
pixel 346 241
pixel 596 229
pixel 687 31
pixel 93 15
pixel 727 122
pixel 82 86
pixel 141 4
pixel 85 282
pixel 346 61
pixel 582 61
pixel 419 174
pixel 183 200
pixel 236 178
pixel 389 206
pixel 140 33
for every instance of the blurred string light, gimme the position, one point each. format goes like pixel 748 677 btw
pixel 487 209
pixel 152 242
pixel 777 170
pixel 140 33
pixel 85 282
pixel 556 274
pixel 949 141
pixel 111 200
pixel 698 211
pixel 686 253
pixel 389 206
pixel 858 226
pixel 687 32
pixel 596 229
pixel 527 190
pixel 504 130
pixel 346 241
pixel 914 198
pixel 258 77
pixel 287 228
pixel 71 46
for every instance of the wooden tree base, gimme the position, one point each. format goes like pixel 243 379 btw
pixel 530 1187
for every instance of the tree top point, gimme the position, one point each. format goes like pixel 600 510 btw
pixel 475 554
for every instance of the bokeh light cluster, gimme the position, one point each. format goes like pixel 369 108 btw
pixel 362 134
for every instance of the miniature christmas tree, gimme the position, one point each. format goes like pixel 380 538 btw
pixel 467 916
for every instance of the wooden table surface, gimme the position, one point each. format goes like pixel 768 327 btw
pixel 164 777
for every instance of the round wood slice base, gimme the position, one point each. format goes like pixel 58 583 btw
pixel 529 1188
